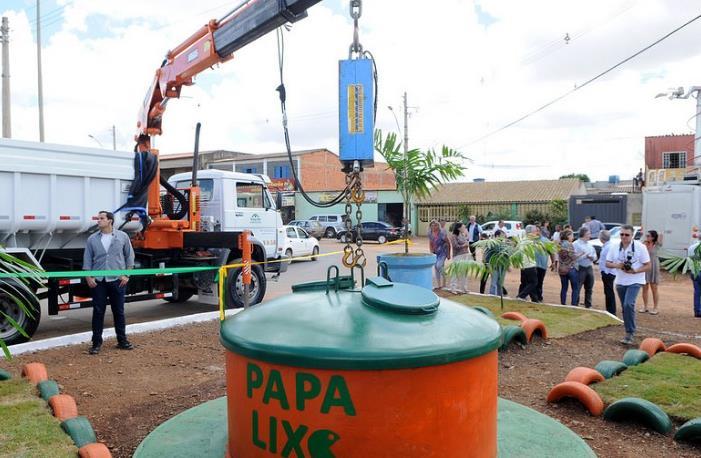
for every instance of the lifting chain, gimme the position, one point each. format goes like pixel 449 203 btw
pixel 356 9
pixel 355 195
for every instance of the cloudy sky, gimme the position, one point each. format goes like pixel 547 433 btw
pixel 469 67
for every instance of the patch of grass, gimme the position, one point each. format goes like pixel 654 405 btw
pixel 669 380
pixel 27 428
pixel 560 321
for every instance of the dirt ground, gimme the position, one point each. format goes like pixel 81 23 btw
pixel 126 394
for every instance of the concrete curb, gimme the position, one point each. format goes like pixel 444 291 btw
pixel 137 328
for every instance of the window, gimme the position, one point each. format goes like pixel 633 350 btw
pixel 333 219
pixel 674 160
pixel 282 171
pixel 322 218
pixel 291 233
pixel 313 218
pixel 249 195
pixel 206 188
pixel 302 233
pixel 251 169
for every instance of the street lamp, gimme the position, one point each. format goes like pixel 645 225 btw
pixel 96 140
pixel 678 93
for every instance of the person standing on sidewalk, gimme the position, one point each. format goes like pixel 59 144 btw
pixel 652 277
pixel 529 271
pixel 108 249
pixel 696 280
pixel 541 261
pixel 461 252
pixel 631 260
pixel 474 231
pixel 440 246
pixel 565 268
pixel 607 275
pixel 586 255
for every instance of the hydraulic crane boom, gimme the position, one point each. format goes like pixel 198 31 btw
pixel 213 43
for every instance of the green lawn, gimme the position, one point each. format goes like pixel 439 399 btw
pixel 671 381
pixel 560 321
pixel 27 428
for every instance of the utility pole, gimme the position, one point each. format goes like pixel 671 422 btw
pixel 407 210
pixel 39 79
pixel 114 138
pixel 5 40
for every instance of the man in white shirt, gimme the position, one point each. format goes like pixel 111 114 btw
pixel 631 260
pixel 586 255
pixel 474 231
pixel 608 276
pixel 696 281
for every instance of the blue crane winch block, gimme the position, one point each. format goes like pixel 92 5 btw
pixel 356 95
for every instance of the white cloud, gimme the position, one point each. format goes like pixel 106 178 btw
pixel 464 78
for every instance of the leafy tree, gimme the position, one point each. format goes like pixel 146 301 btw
pixel 535 215
pixel 17 288
pixel 676 265
pixel 421 171
pixel 559 211
pixel 581 176
pixel 505 253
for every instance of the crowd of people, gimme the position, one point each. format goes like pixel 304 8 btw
pixel 626 266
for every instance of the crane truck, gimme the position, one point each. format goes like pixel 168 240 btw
pixel 52 195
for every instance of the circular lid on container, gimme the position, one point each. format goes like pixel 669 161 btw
pixel 386 326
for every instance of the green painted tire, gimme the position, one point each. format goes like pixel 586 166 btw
pixel 689 431
pixel 80 430
pixel 639 410
pixel 48 388
pixel 485 310
pixel 511 333
pixel 635 357
pixel 4 375
pixel 610 368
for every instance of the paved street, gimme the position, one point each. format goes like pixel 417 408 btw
pixel 79 320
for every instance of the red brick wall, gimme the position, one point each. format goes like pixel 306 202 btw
pixel 321 171
pixel 656 146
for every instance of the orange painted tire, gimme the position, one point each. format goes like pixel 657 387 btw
pixel 585 375
pixel 689 349
pixel 516 316
pixel 652 346
pixel 532 326
pixel 64 406
pixel 94 450
pixel 589 398
pixel 35 372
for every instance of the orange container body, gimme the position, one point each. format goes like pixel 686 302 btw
pixel 435 411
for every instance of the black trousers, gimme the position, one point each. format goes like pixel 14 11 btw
pixel 609 292
pixel 529 284
pixel 541 279
pixel 100 294
pixel 586 281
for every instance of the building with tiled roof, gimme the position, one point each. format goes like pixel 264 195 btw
pixel 495 199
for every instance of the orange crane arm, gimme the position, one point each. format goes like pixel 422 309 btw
pixel 213 43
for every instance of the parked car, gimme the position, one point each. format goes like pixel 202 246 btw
pixel 313 228
pixel 615 237
pixel 373 230
pixel 332 222
pixel 299 243
pixel 513 228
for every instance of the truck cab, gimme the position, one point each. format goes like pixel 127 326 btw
pixel 233 201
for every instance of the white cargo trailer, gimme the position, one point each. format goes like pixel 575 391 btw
pixel 672 210
pixel 53 193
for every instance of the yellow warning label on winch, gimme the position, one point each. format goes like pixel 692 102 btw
pixel 356 115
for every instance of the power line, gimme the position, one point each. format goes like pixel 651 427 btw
pixel 581 86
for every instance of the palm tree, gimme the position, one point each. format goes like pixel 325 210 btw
pixel 418 172
pixel 502 254
pixel 18 283
pixel 676 265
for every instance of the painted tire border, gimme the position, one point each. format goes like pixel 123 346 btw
pixel 71 422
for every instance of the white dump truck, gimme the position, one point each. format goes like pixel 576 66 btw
pixel 51 195
pixel 673 210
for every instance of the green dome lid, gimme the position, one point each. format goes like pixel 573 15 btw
pixel 386 326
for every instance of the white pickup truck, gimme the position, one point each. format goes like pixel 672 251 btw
pixel 53 193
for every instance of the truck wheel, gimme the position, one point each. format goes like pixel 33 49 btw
pixel 330 233
pixel 28 317
pixel 288 255
pixel 181 295
pixel 234 287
